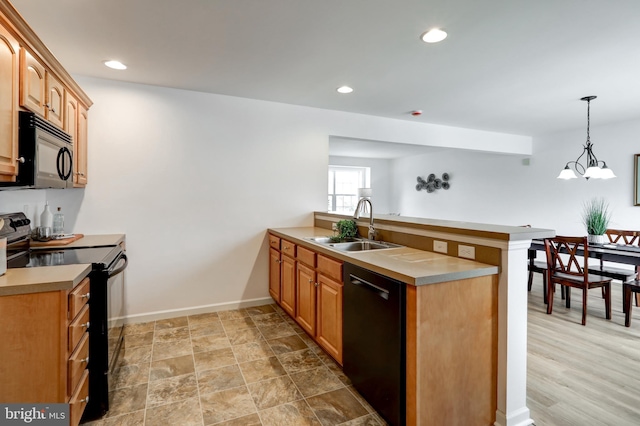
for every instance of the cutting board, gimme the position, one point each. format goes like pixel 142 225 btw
pixel 56 243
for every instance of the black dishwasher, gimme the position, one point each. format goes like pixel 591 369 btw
pixel 374 340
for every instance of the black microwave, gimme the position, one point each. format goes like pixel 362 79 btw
pixel 45 154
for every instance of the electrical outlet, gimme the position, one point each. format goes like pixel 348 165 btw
pixel 440 246
pixel 468 252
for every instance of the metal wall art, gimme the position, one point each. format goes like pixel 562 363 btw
pixel 432 183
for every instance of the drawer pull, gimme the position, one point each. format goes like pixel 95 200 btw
pixel 84 400
pixel 285 248
pixel 85 360
pixel 316 284
pixel 85 325
pixel 85 296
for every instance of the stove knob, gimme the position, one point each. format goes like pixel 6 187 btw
pixel 26 221
pixel 13 224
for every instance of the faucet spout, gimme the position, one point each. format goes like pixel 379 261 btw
pixel 371 235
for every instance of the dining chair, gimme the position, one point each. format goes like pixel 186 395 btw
pixel 627 289
pixel 620 236
pixel 567 268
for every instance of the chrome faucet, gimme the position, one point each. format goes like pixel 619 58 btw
pixel 371 235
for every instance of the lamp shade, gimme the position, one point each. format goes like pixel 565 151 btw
pixel 567 173
pixel 606 173
pixel 592 172
pixel 364 192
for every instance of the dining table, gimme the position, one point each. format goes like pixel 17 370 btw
pixel 617 253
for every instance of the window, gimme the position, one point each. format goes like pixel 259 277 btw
pixel 344 182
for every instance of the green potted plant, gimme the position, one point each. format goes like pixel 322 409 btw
pixel 347 229
pixel 596 216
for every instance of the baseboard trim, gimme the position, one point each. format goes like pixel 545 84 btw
pixel 172 313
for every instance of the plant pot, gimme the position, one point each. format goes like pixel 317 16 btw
pixel 595 239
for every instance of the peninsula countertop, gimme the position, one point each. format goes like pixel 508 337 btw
pixel 406 264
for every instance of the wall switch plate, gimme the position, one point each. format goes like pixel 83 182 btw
pixel 440 246
pixel 468 252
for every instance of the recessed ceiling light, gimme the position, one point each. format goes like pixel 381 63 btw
pixel 344 89
pixel 116 65
pixel 433 36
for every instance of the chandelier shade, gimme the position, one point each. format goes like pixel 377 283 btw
pixel 587 164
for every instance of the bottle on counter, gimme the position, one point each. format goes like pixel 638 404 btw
pixel 46 218
pixel 58 222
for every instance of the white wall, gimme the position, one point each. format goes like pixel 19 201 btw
pixel 380 182
pixel 228 168
pixel 494 188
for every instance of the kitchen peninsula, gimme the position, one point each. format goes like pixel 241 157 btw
pixel 466 318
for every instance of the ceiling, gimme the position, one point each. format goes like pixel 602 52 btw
pixel 516 67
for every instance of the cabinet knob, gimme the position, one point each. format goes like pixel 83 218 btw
pixel 85 296
pixel 20 160
pixel 310 281
pixel 316 284
pixel 85 360
pixel 85 325
pixel 84 399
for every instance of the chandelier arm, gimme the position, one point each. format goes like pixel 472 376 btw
pixel 577 167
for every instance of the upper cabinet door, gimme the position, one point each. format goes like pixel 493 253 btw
pixel 80 147
pixel 54 107
pixel 8 106
pixel 32 83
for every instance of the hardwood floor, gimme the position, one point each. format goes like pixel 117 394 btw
pixel 582 375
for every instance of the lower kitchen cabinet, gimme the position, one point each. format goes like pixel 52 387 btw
pixel 45 347
pixel 311 288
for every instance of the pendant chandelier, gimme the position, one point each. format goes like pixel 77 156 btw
pixel 592 167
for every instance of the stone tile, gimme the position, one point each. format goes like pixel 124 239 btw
pixel 164 350
pixel 244 335
pixel 205 328
pixel 220 379
pixel 316 381
pixel 172 323
pixel 141 327
pixel 309 342
pixel 130 419
pixel 164 335
pixel 278 309
pixel 286 344
pixel 142 339
pixel 184 413
pixel 252 351
pixel 233 314
pixel 295 362
pixel 295 413
pixel 131 375
pixel 171 367
pixel 274 331
pixel 226 405
pixel 214 359
pixel 210 342
pixel 173 389
pixel 262 369
pixel 203 318
pixel 294 325
pixel 250 420
pixel 361 399
pixel 127 400
pixel 337 370
pixel 336 407
pixel 272 392
pixel 368 420
pixel 137 355
pixel 259 310
pixel 237 324
pixel 267 319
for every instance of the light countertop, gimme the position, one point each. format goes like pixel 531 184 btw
pixel 102 240
pixel 406 264
pixel 45 278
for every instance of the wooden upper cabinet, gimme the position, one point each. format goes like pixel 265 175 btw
pixel 9 72
pixel 81 147
pixel 54 108
pixel 32 83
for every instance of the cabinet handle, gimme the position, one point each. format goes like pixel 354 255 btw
pixel 285 248
pixel 85 296
pixel 278 261
pixel 84 399
pixel 20 160
pixel 85 325
pixel 310 281
pixel 85 360
pixel 316 284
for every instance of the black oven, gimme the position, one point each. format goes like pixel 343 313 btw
pixel 106 301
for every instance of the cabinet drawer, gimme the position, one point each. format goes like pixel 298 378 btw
pixel 329 267
pixel 274 242
pixel 77 328
pixel 288 248
pixel 78 361
pixel 79 399
pixel 307 257
pixel 78 297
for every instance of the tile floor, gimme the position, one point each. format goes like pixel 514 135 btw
pixel 244 367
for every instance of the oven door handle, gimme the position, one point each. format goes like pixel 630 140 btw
pixel 122 268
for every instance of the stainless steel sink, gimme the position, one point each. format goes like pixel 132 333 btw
pixel 327 240
pixel 363 245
